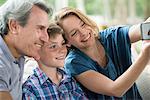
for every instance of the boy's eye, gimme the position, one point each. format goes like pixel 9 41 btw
pixel 52 46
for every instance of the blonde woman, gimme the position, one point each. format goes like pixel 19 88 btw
pixel 101 61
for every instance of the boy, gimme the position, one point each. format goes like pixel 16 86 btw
pixel 49 80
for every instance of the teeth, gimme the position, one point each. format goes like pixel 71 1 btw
pixel 38 45
pixel 60 58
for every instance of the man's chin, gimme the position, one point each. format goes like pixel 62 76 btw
pixel 37 57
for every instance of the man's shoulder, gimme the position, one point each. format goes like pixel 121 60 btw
pixel 4 62
pixel 1 53
pixel 2 56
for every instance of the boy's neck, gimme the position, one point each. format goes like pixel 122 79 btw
pixel 52 73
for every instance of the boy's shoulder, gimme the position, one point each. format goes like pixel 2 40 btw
pixel 30 80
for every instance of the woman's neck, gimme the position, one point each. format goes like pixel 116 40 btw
pixel 97 53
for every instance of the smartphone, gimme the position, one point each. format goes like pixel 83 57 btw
pixel 145 31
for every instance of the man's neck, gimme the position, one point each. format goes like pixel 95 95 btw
pixel 11 46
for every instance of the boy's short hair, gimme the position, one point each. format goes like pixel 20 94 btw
pixel 54 29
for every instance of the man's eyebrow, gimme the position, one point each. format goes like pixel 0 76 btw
pixel 41 26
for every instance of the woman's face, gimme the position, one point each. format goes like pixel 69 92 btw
pixel 77 32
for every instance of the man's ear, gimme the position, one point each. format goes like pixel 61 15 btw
pixel 13 25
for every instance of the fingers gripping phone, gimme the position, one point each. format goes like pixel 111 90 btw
pixel 145 31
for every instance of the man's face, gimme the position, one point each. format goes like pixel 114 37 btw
pixel 32 36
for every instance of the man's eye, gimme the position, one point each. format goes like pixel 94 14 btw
pixel 41 28
pixel 52 46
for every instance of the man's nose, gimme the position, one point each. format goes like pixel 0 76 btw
pixel 45 36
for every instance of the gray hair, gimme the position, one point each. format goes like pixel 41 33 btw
pixel 18 10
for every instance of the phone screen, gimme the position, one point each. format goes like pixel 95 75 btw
pixel 145 31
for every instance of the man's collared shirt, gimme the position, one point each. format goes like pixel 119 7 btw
pixel 11 72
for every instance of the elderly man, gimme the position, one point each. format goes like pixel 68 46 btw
pixel 23 30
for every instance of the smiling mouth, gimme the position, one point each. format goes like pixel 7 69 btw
pixel 86 38
pixel 38 45
pixel 60 58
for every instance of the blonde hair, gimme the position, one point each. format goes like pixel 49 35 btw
pixel 67 11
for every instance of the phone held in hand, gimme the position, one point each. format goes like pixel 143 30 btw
pixel 145 31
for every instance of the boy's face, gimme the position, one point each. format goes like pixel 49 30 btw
pixel 54 52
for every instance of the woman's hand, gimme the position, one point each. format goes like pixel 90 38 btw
pixel 146 48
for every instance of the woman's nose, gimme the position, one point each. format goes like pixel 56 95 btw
pixel 82 31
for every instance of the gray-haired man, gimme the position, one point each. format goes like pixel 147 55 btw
pixel 23 29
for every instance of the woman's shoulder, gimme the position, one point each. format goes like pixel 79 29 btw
pixel 77 55
pixel 114 29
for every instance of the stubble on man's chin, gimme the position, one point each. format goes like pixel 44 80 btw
pixel 37 58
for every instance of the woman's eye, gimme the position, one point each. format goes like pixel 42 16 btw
pixel 73 33
pixel 82 24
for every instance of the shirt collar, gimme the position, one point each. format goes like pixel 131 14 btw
pixel 43 77
pixel 40 75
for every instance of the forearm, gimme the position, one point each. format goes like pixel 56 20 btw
pixel 135 33
pixel 127 79
pixel 5 96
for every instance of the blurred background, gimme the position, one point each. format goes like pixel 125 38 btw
pixel 108 13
